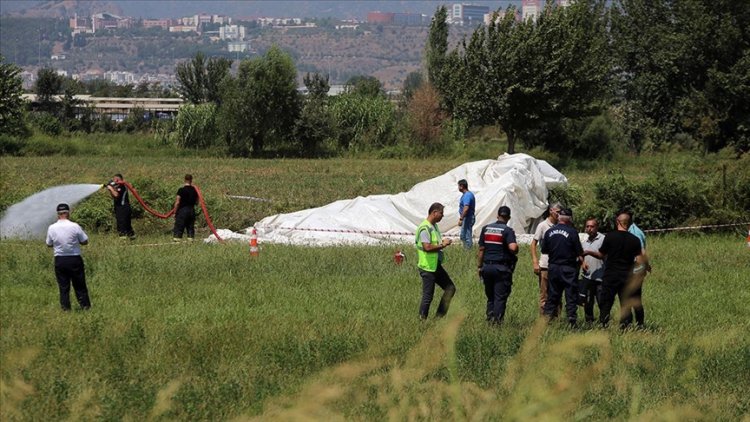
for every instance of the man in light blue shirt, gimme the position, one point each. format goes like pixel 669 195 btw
pixel 466 217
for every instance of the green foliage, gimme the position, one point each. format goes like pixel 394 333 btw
pixel 368 86
pixel 200 79
pixel 48 84
pixel 521 75
pixel 260 105
pixel 47 123
pixel 10 145
pixel 314 126
pixel 363 122
pixel 12 105
pixel 317 85
pixel 195 126
pixel 412 82
pixel 436 49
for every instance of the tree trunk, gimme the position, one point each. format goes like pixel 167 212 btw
pixel 511 141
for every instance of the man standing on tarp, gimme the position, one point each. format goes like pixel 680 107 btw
pixel 123 212
pixel 430 245
pixel 184 217
pixel 466 213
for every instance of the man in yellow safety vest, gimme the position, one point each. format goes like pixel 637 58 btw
pixel 430 245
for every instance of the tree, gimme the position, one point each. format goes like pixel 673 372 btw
pixel 48 84
pixel 12 105
pixel 520 74
pixel 200 79
pixel 437 47
pixel 368 86
pixel 412 83
pixel 426 117
pixel 261 104
pixel 317 85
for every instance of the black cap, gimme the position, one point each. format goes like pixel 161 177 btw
pixel 566 212
pixel 503 211
pixel 62 208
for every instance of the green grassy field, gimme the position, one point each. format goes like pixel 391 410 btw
pixel 205 332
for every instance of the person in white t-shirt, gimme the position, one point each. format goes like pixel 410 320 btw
pixel 66 238
pixel 539 260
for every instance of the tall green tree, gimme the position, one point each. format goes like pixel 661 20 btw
pixel 260 105
pixel 200 78
pixel 48 84
pixel 317 85
pixel 368 86
pixel 314 125
pixel 12 105
pixel 523 74
pixel 436 49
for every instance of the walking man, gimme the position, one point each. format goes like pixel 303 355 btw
pixel 66 238
pixel 593 270
pixel 563 245
pixel 540 261
pixel 496 261
pixel 430 245
pixel 466 213
pixel 123 212
pixel 619 249
pixel 184 217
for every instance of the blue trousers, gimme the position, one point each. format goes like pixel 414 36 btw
pixel 562 278
pixel 466 231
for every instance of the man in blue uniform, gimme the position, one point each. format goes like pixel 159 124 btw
pixel 466 216
pixel 497 260
pixel 562 244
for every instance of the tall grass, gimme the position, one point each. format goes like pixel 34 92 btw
pixel 194 331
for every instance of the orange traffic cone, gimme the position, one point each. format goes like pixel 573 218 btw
pixel 254 243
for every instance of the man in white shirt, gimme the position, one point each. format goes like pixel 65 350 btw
pixel 66 238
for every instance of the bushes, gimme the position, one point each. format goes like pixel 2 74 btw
pixel 666 199
pixel 195 126
pixel 48 124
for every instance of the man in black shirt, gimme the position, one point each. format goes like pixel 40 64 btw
pixel 562 244
pixel 497 260
pixel 619 251
pixel 123 213
pixel 184 217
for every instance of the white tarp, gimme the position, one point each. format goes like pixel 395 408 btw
pixel 518 181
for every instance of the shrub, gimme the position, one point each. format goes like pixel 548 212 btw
pixel 195 125
pixel 48 124
pixel 10 145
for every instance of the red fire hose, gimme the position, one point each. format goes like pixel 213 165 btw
pixel 173 210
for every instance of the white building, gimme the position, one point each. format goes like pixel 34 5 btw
pixel 238 46
pixel 530 9
pixel 120 78
pixel 232 32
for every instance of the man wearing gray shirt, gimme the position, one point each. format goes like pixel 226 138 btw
pixel 66 238
pixel 593 270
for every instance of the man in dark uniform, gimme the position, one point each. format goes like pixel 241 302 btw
pixel 619 250
pixel 497 260
pixel 123 212
pixel 66 238
pixel 562 244
pixel 184 217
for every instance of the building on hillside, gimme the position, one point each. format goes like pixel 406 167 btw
pixel 238 46
pixel 382 18
pixel 120 78
pixel 232 32
pixel 410 19
pixel 157 23
pixel 102 21
pixel 467 14
pixel 80 25
pixel 183 28
pixel 530 9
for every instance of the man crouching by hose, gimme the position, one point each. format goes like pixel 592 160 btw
pixel 184 217
pixel 496 261
pixel 123 212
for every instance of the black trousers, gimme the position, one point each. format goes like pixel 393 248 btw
pixel 184 220
pixel 562 278
pixel 429 280
pixel 630 299
pixel 498 281
pixel 69 269
pixel 588 293
pixel 123 214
